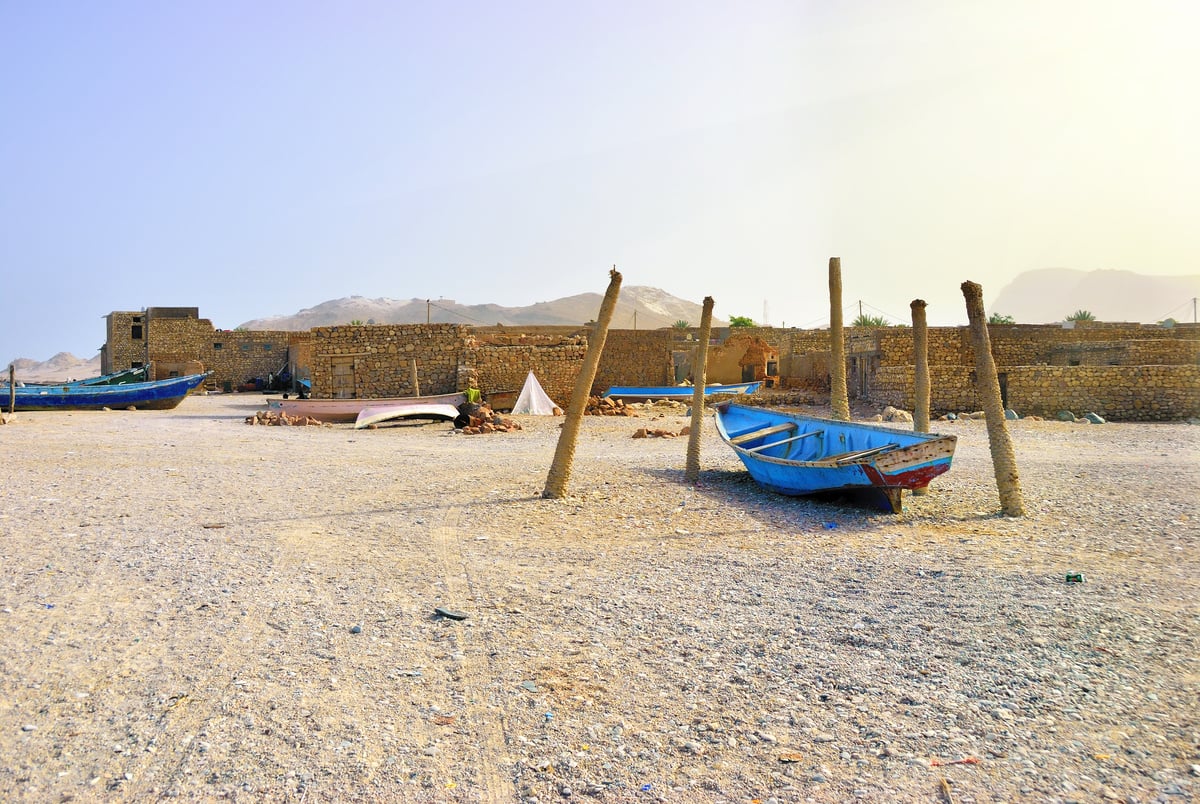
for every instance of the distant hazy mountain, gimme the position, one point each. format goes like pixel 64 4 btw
pixel 63 366
pixel 652 307
pixel 1051 294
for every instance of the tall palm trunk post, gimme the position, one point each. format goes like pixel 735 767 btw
pixel 700 377
pixel 920 374
pixel 839 398
pixel 564 453
pixel 987 386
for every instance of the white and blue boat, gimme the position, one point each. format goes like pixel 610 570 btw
pixel 801 455
pixel 682 393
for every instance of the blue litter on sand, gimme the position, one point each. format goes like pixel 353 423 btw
pixel 830 526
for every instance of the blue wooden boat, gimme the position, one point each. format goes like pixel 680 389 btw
pixel 116 378
pixel 682 393
pixel 800 455
pixel 149 395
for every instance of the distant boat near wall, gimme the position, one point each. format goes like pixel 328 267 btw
pixel 633 393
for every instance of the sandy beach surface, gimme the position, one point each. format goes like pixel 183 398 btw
pixel 194 608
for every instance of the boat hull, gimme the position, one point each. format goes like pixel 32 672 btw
pixel 347 410
pixel 804 455
pixel 683 393
pixel 151 395
pixel 378 414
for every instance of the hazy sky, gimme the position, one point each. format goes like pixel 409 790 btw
pixel 254 159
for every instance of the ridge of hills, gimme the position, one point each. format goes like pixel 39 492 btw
pixel 1039 296
pixel 647 307
pixel 1048 295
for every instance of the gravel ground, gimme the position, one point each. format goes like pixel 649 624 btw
pixel 191 607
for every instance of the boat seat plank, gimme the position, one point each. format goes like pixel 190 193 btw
pixel 761 447
pixel 762 433
pixel 847 457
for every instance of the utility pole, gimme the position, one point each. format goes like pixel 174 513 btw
pixel 1193 309
pixel 427 308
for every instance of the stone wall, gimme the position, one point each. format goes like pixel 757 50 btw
pixel 504 368
pixel 1120 393
pixel 639 357
pixel 125 342
pixel 376 360
pixel 233 356
pixel 177 340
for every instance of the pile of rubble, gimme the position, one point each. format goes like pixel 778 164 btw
pixel 483 419
pixel 605 406
pixel 644 432
pixel 278 418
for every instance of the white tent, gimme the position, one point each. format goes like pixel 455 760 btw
pixel 533 399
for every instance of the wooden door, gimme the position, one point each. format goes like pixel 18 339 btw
pixel 342 371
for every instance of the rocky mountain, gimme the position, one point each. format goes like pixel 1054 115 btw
pixel 638 306
pixel 1049 295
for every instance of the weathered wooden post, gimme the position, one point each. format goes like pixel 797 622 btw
pixel 987 385
pixel 839 398
pixel 920 374
pixel 564 453
pixel 700 378
pixel 415 382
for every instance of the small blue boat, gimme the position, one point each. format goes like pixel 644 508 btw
pixel 682 393
pixel 800 455
pixel 149 395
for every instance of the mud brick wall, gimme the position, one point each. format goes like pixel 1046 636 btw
pixel 379 359
pixel 638 357
pixel 504 368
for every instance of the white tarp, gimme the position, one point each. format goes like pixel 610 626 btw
pixel 533 399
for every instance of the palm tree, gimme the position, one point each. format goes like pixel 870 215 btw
pixel 681 324
pixel 865 320
pixel 1081 315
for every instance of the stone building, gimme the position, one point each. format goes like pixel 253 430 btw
pixel 176 341
pixel 1121 371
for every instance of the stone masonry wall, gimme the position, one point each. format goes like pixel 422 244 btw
pixel 504 368
pixel 121 350
pixel 1121 393
pixel 233 356
pixel 638 357
pixel 376 360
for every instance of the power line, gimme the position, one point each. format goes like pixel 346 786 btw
pixel 1189 303
pixel 455 312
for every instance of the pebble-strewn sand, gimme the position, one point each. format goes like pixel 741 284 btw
pixel 195 608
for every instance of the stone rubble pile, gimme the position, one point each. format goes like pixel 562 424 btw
pixel 483 420
pixel 278 418
pixel 644 432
